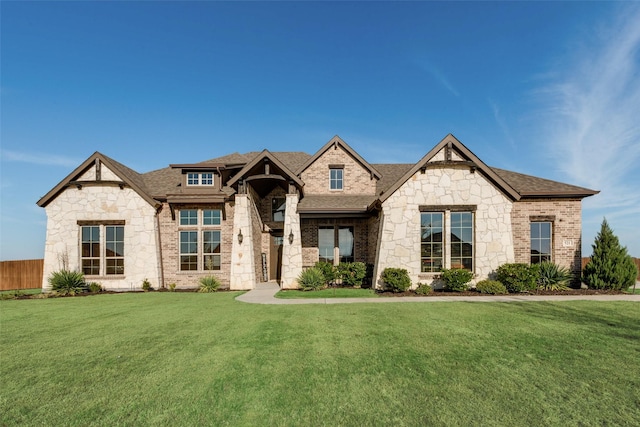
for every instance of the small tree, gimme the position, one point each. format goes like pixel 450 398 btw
pixel 610 266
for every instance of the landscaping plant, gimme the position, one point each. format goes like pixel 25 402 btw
pixel 95 287
pixel 456 279
pixel 396 279
pixel 67 282
pixel 352 273
pixel 328 271
pixel 423 289
pixel 311 279
pixel 552 277
pixel 492 287
pixel 209 284
pixel 610 266
pixel 146 285
pixel 518 277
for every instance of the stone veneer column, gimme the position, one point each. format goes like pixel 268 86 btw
pixel 291 253
pixel 242 262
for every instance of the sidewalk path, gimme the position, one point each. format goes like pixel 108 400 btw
pixel 265 294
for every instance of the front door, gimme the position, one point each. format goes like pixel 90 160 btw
pixel 275 264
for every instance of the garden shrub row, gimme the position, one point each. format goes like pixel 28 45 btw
pixel 324 274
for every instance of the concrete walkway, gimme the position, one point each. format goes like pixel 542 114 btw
pixel 265 294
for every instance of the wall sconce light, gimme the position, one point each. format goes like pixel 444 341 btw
pixel 290 237
pixel 240 237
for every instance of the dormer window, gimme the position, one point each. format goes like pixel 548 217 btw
pixel 204 178
pixel 336 174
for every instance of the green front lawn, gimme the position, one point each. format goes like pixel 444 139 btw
pixel 206 359
pixel 329 293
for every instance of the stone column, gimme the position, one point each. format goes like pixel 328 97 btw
pixel 291 252
pixel 242 262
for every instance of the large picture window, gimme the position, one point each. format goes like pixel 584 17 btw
pixel 102 249
pixel 540 242
pixel 200 239
pixel 331 237
pixel 446 238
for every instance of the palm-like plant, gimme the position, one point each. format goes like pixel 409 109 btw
pixel 553 277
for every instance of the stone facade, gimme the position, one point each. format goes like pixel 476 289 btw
pixel 291 251
pixel 102 204
pixel 564 214
pixel 385 216
pixel 399 242
pixel 357 179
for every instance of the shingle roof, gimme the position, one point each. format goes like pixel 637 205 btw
pixel 532 186
pixel 335 203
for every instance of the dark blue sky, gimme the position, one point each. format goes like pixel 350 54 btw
pixel 546 88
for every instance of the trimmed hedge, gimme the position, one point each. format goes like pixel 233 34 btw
pixel 456 279
pixel 396 279
pixel 518 277
pixel 492 287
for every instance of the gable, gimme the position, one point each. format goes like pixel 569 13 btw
pixel 358 176
pixel 450 153
pixel 99 170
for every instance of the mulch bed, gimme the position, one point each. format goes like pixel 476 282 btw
pixel 471 293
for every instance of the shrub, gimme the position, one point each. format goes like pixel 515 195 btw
pixel 396 279
pixel 352 273
pixel 209 284
pixel 423 289
pixel 95 287
pixel 311 279
pixel 146 285
pixel 610 266
pixel 67 282
pixel 518 277
pixel 492 287
pixel 553 277
pixel 328 271
pixel 172 287
pixel 456 279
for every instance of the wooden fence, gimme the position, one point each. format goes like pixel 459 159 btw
pixel 24 274
pixel 636 260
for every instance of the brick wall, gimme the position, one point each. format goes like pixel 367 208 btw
pixel 565 215
pixel 356 179
pixel 170 251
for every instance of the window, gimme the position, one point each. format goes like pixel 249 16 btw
pixel 278 205
pixel 211 217
pixel 432 256
pixel 189 217
pixel 200 239
pixel 188 250
pixel 325 243
pixel 91 250
pixel 540 242
pixel 100 257
pixel 114 255
pixel 336 178
pixel 205 178
pixel 211 250
pixel 462 240
pixel 446 247
pixel 341 237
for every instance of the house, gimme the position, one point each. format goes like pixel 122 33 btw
pixel 260 216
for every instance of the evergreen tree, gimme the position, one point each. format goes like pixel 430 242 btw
pixel 610 266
